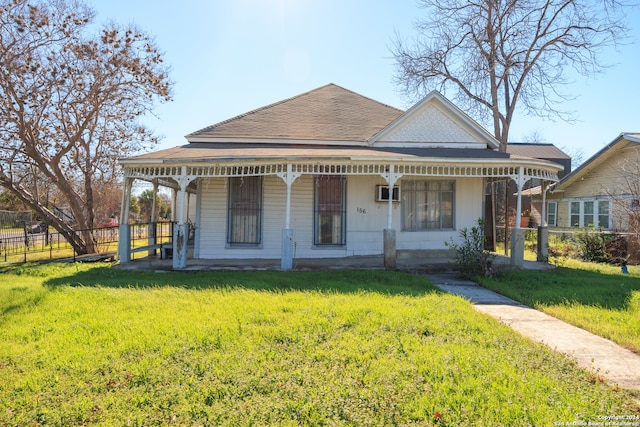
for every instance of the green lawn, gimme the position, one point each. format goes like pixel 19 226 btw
pixel 595 297
pixel 93 345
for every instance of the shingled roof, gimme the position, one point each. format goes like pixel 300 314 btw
pixel 328 113
pixel 536 150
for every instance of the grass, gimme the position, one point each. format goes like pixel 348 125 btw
pixel 595 297
pixel 94 345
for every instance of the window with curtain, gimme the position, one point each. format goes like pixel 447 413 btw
pixel 427 205
pixel 330 215
pixel 244 220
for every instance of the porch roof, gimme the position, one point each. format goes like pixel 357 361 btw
pixel 202 152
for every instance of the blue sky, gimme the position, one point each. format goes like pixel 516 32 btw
pixel 231 56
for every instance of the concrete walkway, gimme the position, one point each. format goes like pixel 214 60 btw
pixel 613 363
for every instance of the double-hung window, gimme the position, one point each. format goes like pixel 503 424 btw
pixel 589 213
pixel 587 217
pixel 603 213
pixel 427 204
pixel 574 214
pixel 552 214
pixel 244 216
pixel 330 215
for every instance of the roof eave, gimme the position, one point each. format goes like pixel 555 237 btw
pixel 585 166
pixel 236 140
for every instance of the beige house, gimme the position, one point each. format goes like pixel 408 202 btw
pixel 604 192
pixel 329 174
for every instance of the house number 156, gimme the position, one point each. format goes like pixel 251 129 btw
pixel 361 210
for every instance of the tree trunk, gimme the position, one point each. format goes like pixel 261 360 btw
pixel 81 244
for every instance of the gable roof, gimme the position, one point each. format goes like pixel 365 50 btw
pixel 329 114
pixel 437 120
pixel 597 159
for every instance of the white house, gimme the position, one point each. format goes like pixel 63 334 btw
pixel 331 173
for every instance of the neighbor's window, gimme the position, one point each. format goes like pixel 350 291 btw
pixel 603 213
pixel 574 220
pixel 244 220
pixel 427 204
pixel 552 213
pixel 330 210
pixel 587 218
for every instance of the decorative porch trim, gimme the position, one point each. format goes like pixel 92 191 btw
pixel 328 167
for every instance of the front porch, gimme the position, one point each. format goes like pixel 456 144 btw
pixel 189 180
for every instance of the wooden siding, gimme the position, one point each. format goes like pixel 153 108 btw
pixel 563 214
pixel 366 219
pixel 604 180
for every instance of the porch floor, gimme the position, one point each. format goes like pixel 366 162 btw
pixel 416 260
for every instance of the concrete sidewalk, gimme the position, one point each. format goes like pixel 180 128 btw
pixel 612 362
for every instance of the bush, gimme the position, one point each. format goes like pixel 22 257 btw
pixel 471 258
pixel 592 246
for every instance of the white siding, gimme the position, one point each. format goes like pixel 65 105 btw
pixel 468 208
pixel 213 221
pixel 366 219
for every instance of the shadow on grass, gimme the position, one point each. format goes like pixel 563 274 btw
pixel 342 281
pixel 566 285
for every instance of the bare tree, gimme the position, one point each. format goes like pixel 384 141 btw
pixel 496 55
pixel 69 106
pixel 535 137
pixel 623 189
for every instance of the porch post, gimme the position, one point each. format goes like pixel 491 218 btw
pixel 389 234
pixel 151 232
pixel 124 232
pixel 174 205
pixel 196 237
pixel 543 229
pixel 180 231
pixel 288 244
pixel 517 235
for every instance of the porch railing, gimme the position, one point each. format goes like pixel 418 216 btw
pixel 148 238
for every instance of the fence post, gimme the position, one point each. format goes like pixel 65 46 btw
pixel 152 237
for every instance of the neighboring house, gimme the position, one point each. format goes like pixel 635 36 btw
pixel 604 192
pixel 330 174
pixel 542 151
